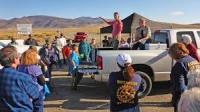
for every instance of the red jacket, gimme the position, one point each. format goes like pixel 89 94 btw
pixel 66 51
pixel 193 51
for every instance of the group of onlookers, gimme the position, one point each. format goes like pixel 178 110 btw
pixel 21 81
pixel 107 42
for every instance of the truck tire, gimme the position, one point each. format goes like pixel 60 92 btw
pixel 146 84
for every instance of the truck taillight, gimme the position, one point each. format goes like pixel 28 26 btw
pixel 99 61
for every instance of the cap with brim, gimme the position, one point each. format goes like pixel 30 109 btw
pixel 123 59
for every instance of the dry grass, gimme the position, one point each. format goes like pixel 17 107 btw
pixel 41 34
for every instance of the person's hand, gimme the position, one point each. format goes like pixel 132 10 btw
pixel 139 40
pixel 74 67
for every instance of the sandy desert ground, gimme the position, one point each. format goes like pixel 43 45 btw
pixel 92 96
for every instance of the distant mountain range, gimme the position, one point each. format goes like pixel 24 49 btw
pixel 41 21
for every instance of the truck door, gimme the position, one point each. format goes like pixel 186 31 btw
pixel 162 63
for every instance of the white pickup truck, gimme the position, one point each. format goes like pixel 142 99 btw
pixel 20 48
pixel 153 64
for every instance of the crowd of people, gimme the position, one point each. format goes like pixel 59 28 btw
pixel 23 79
pixel 23 85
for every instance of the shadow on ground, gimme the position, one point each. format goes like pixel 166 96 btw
pixel 92 95
pixel 160 88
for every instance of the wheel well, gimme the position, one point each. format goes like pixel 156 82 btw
pixel 144 68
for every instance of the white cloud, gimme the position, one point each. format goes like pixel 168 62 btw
pixel 177 13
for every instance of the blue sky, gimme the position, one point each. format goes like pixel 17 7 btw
pixel 180 11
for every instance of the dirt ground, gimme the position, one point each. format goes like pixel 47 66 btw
pixel 92 96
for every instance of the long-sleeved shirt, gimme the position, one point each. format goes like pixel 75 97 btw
pixel 117 27
pixel 84 48
pixel 193 51
pixel 32 70
pixel 178 76
pixel 16 91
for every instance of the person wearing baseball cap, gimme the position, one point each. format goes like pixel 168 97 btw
pixel 124 86
pixel 18 92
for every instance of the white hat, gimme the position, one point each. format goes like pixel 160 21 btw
pixel 123 59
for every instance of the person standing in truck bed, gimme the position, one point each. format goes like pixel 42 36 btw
pixel 116 31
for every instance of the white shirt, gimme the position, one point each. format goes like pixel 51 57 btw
pixel 62 41
pixel 124 45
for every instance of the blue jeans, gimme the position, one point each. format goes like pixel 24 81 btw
pixel 76 78
pixel 115 43
pixel 133 109
pixel 142 46
pixel 138 45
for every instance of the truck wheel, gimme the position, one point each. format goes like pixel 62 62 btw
pixel 146 84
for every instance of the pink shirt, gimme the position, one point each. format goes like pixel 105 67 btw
pixel 117 27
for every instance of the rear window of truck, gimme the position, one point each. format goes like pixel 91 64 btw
pixel 161 37
pixel 179 36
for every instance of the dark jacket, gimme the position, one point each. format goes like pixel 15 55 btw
pixel 178 76
pixel 31 42
pixel 119 99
